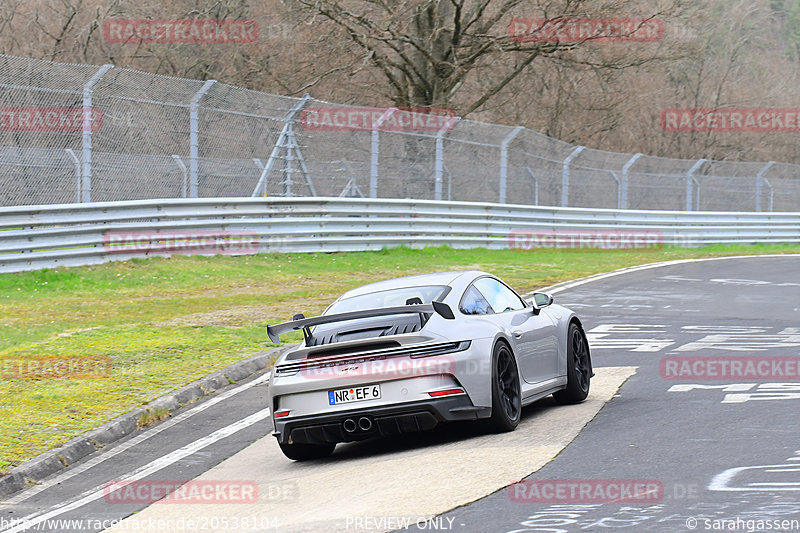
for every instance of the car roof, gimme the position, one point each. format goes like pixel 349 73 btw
pixel 433 278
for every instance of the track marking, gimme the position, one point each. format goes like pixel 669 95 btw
pixel 31 521
pixel 559 287
pixel 72 472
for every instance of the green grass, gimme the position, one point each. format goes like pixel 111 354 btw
pixel 166 322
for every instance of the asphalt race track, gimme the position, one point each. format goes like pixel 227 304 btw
pixel 673 437
pixel 682 437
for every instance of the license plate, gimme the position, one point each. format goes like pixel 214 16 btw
pixel 354 394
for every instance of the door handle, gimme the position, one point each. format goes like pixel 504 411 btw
pixel 517 334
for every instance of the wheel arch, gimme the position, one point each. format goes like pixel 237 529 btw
pixel 498 420
pixel 501 337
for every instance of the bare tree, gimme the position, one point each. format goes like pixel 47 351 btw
pixel 458 54
pixel 429 50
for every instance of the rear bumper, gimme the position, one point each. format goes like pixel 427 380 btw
pixel 384 421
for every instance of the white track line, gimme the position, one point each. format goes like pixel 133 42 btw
pixel 31 521
pixel 72 472
pixel 558 287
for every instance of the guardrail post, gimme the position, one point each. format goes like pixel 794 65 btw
pixel 689 179
pixel 288 124
pixel 759 181
pixel 504 161
pixel 76 164
pixel 185 180
pixel 86 156
pixel 625 178
pixel 535 186
pixel 439 165
pixel 373 166
pixel 565 175
pixel 193 134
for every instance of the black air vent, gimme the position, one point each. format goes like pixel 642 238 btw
pixel 353 349
pixel 367 329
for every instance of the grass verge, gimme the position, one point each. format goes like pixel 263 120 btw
pixel 166 322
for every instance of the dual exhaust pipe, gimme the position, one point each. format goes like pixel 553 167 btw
pixel 351 425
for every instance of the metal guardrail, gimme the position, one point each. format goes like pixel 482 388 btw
pixel 50 236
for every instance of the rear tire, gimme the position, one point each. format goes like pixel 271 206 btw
pixel 579 368
pixel 506 396
pixel 306 452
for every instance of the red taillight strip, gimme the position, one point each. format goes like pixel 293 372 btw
pixel 281 414
pixel 447 392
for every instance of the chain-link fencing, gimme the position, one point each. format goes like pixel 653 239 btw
pixel 81 133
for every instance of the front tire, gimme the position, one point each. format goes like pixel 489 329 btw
pixel 306 452
pixel 579 368
pixel 506 397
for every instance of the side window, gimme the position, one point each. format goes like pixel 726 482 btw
pixel 500 297
pixel 473 303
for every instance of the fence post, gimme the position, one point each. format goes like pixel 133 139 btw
pixel 86 156
pixel 76 164
pixel 619 188
pixel 565 175
pixel 439 170
pixel 373 166
pixel 185 180
pixel 625 170
pixel 288 170
pixel 535 186
pixel 759 181
pixel 689 179
pixel 449 183
pixel 288 121
pixel 293 146
pixel 193 133
pixel 771 193
pixel 504 161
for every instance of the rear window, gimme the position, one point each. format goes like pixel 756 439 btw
pixel 387 298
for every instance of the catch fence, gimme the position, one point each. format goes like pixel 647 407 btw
pixel 82 133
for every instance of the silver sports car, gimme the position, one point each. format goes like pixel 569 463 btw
pixel 406 354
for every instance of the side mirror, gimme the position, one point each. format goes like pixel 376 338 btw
pixel 541 299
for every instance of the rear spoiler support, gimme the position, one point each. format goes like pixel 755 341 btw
pixel 274 332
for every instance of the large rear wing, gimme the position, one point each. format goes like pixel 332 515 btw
pixel 439 308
